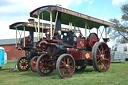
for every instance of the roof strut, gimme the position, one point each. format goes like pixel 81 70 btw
pixel 55 24
pixel 51 26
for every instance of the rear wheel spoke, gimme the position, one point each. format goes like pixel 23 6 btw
pixel 99 50
pixel 105 50
pixel 98 62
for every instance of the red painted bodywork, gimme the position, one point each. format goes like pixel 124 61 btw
pixel 81 43
pixel 93 38
pixel 86 55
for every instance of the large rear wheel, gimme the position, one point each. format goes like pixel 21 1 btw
pixel 101 57
pixel 23 64
pixel 43 65
pixel 65 66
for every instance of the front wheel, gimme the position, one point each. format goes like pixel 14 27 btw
pixel 33 63
pixel 65 66
pixel 101 57
pixel 43 65
pixel 23 64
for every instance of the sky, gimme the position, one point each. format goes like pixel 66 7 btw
pixel 12 11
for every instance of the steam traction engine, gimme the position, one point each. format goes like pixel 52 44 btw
pixel 27 43
pixel 65 56
pixel 66 52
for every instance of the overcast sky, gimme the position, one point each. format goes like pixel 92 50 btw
pixel 12 11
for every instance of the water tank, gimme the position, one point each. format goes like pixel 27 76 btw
pixel 2 54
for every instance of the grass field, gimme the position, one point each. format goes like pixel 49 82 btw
pixel 116 75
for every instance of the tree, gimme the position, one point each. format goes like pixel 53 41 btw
pixel 120 32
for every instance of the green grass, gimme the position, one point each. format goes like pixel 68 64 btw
pixel 116 75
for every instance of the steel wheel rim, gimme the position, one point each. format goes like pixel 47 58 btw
pixel 66 66
pixel 103 57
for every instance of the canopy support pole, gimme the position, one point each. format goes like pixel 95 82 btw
pixel 74 28
pixel 55 23
pixel 105 32
pixel 97 31
pixel 70 22
pixel 42 26
pixel 38 27
pixel 85 30
pixel 35 27
pixel 16 36
pixel 24 36
pixel 71 25
pixel 51 26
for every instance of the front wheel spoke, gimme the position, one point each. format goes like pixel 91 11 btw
pixel 71 67
pixel 62 69
pixel 69 62
pixel 61 66
pixel 63 72
pixel 63 62
pixel 68 70
pixel 44 69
